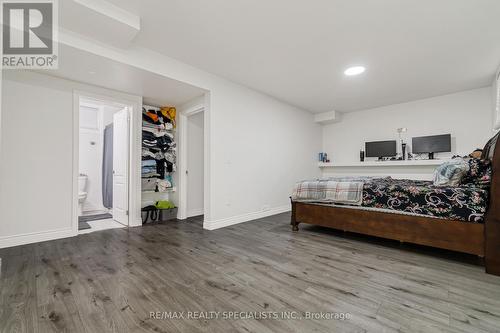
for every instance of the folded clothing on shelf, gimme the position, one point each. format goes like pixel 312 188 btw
pixel 163 143
pixel 148 154
pixel 163 185
pixel 148 163
pixel 157 132
pixel 165 126
pixel 155 184
pixel 150 175
pixel 148 184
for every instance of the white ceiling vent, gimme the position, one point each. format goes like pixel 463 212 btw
pixel 325 118
pixel 100 20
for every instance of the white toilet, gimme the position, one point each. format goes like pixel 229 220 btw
pixel 82 195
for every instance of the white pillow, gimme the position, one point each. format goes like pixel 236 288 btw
pixel 450 173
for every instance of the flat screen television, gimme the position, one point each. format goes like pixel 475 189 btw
pixel 380 149
pixel 431 144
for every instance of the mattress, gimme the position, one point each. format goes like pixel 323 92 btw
pixel 464 203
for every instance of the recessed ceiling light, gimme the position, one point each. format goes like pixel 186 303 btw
pixel 355 70
pixel 92 72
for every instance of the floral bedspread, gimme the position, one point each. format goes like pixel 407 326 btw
pixel 465 202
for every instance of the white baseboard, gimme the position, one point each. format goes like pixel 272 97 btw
pixel 195 212
pixel 217 224
pixel 35 237
pixel 135 222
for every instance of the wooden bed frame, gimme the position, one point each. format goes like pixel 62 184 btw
pixel 482 239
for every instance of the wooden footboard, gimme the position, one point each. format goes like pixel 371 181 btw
pixel 446 234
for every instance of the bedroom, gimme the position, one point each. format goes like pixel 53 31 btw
pixel 270 80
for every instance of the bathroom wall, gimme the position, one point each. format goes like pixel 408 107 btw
pixel 93 121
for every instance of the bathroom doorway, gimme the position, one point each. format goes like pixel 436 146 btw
pixel 103 164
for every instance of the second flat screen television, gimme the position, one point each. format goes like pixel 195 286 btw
pixel 381 149
pixel 431 144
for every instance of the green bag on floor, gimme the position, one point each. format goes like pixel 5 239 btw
pixel 164 204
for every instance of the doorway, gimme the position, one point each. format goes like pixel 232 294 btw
pixel 195 164
pixel 193 160
pixel 103 164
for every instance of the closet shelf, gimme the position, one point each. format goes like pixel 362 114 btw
pixel 172 189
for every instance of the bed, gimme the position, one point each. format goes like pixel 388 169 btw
pixel 464 219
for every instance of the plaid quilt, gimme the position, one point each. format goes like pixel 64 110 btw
pixel 332 190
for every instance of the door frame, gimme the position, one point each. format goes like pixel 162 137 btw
pixel 203 105
pixel 134 112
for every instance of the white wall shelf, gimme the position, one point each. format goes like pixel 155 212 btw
pixel 382 163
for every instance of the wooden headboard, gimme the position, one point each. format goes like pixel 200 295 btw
pixel 492 221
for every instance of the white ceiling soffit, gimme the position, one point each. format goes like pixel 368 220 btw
pixel 81 66
pixel 100 20
pixel 298 50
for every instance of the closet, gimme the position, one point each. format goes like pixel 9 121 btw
pixel 158 165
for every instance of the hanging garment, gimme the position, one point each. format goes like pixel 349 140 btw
pixel 107 168
pixel 170 179
pixel 170 166
pixel 160 168
pixel 170 156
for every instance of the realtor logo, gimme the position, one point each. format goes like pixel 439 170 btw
pixel 29 34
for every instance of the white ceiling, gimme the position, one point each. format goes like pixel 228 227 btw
pixel 297 50
pixel 81 66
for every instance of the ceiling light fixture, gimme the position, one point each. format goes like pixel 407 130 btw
pixel 355 70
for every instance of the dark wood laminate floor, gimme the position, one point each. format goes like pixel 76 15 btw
pixel 110 281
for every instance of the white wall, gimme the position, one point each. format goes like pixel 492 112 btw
pixel 36 176
pixel 466 115
pixel 195 160
pixel 36 156
pixel 259 149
